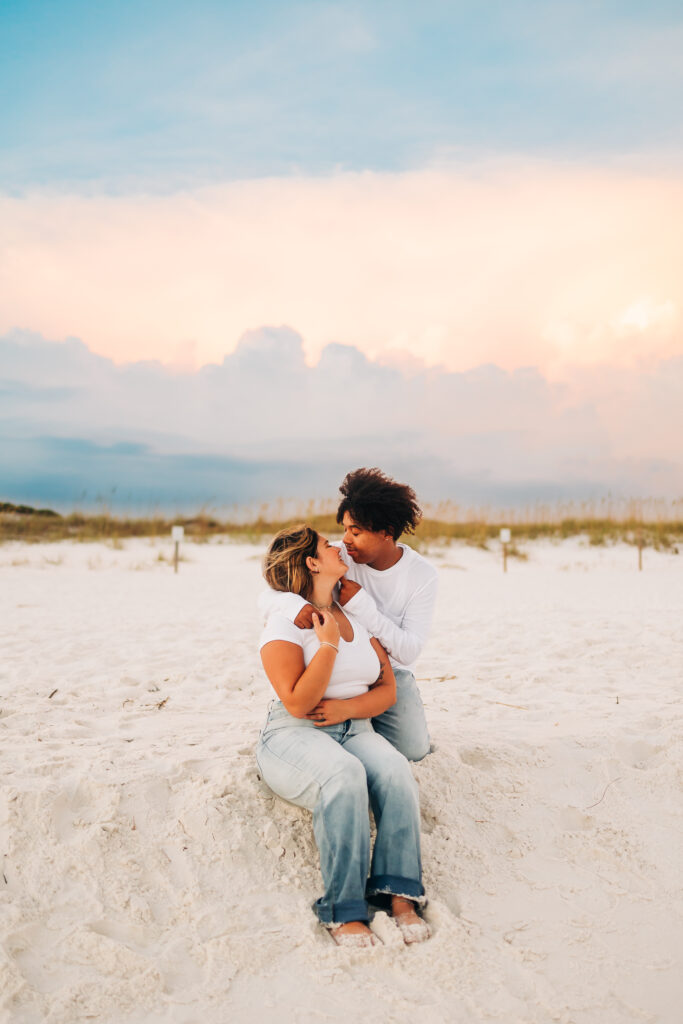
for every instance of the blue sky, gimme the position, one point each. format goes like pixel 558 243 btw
pixel 152 95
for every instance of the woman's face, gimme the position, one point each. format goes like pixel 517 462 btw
pixel 328 559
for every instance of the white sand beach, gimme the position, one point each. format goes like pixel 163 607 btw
pixel 149 876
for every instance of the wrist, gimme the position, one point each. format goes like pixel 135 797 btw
pixel 328 643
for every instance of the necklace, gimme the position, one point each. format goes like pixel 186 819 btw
pixel 321 607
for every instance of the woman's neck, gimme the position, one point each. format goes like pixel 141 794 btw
pixel 321 595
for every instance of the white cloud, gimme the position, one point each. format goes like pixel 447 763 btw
pixel 516 264
pixel 488 430
pixel 645 314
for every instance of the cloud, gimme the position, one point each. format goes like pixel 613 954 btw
pixel 264 423
pixel 521 264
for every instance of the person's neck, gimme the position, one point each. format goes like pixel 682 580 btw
pixel 389 555
pixel 321 596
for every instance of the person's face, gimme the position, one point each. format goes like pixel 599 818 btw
pixel 328 559
pixel 363 545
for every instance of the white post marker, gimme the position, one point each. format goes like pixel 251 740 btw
pixel 177 534
pixel 505 540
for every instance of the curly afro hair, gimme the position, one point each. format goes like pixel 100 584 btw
pixel 376 502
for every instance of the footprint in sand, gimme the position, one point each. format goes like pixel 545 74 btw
pixel 476 757
pixel 571 819
pixel 639 754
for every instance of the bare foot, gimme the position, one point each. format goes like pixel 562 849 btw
pixel 354 933
pixel 411 925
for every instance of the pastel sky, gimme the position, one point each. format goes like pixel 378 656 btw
pixel 472 213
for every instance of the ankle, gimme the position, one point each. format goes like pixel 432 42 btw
pixel 400 906
pixel 351 927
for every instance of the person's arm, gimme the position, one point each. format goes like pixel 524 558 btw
pixel 380 697
pixel 403 642
pixel 298 686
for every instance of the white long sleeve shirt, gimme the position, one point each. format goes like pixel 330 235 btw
pixel 396 605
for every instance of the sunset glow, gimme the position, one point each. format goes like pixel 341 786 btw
pixel 419 196
pixel 519 266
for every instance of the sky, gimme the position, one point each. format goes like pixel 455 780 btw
pixel 246 247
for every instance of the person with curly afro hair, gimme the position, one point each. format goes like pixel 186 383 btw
pixel 389 588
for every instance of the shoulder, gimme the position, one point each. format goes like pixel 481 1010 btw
pixel 278 627
pixel 420 570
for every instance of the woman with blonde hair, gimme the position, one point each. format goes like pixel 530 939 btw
pixel 318 748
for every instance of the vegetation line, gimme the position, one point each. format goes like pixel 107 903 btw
pixel 600 524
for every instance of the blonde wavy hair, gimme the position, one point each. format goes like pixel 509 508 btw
pixel 284 565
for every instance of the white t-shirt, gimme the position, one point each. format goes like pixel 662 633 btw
pixel 396 605
pixel 356 666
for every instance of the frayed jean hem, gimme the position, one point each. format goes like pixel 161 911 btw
pixel 381 888
pixel 330 914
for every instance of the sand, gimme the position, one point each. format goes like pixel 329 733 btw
pixel 148 875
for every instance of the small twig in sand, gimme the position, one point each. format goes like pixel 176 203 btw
pixel 504 705
pixel 603 794
pixel 53 693
pixel 158 705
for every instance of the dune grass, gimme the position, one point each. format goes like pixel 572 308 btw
pixel 649 523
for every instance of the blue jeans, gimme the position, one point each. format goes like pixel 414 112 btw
pixel 404 724
pixel 332 771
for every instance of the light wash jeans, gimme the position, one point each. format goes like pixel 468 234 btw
pixel 404 724
pixel 332 771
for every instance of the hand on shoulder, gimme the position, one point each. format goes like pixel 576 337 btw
pixel 304 619
pixel 347 590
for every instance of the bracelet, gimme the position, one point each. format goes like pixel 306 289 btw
pixel 326 643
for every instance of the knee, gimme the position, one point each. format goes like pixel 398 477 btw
pixel 349 780
pixel 397 778
pixel 414 749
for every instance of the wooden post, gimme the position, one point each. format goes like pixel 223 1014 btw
pixel 177 533
pixel 640 550
pixel 505 540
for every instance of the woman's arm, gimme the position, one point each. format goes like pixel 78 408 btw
pixel 298 686
pixel 380 697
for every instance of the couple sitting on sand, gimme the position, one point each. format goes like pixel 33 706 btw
pixel 345 624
